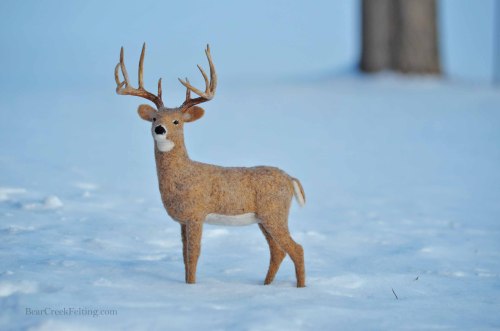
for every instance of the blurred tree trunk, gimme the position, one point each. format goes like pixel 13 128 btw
pixel 400 35
pixel 376 34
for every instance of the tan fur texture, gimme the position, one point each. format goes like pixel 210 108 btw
pixel 191 190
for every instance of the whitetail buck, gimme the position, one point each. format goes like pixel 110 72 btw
pixel 194 193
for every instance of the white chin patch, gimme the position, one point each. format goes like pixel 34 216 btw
pixel 163 144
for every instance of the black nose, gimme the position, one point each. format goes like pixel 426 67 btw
pixel 160 130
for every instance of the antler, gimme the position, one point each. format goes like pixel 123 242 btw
pixel 210 86
pixel 124 88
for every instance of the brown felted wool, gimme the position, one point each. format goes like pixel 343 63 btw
pixel 192 191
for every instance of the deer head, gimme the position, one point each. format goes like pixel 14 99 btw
pixel 167 123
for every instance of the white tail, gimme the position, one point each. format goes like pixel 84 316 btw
pixel 298 192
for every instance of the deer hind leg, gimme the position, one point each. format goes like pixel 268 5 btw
pixel 277 256
pixel 184 250
pixel 279 232
pixel 193 238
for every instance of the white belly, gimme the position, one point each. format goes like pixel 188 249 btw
pixel 232 220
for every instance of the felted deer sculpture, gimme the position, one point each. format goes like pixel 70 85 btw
pixel 194 193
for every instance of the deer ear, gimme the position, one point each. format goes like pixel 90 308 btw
pixel 146 112
pixel 192 114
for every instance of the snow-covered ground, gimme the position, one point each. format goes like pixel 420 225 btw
pixel 403 187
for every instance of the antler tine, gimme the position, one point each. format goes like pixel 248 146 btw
pixel 213 74
pixel 124 87
pixel 192 88
pixel 141 65
pixel 210 85
pixel 188 91
pixel 207 84
pixel 159 88
pixel 119 84
pixel 124 69
pixel 117 77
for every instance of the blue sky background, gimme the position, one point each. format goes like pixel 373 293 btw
pixel 75 44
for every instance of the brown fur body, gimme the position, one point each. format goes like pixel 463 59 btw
pixel 205 188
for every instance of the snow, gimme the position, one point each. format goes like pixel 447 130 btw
pixel 7 192
pixel 50 202
pixel 402 185
pixel 8 289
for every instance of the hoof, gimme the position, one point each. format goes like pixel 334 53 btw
pixel 268 281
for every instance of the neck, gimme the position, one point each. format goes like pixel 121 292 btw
pixel 170 160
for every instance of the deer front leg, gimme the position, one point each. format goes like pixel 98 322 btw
pixel 184 250
pixel 193 238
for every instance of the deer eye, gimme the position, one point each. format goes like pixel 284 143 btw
pixel 175 122
pixel 154 119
